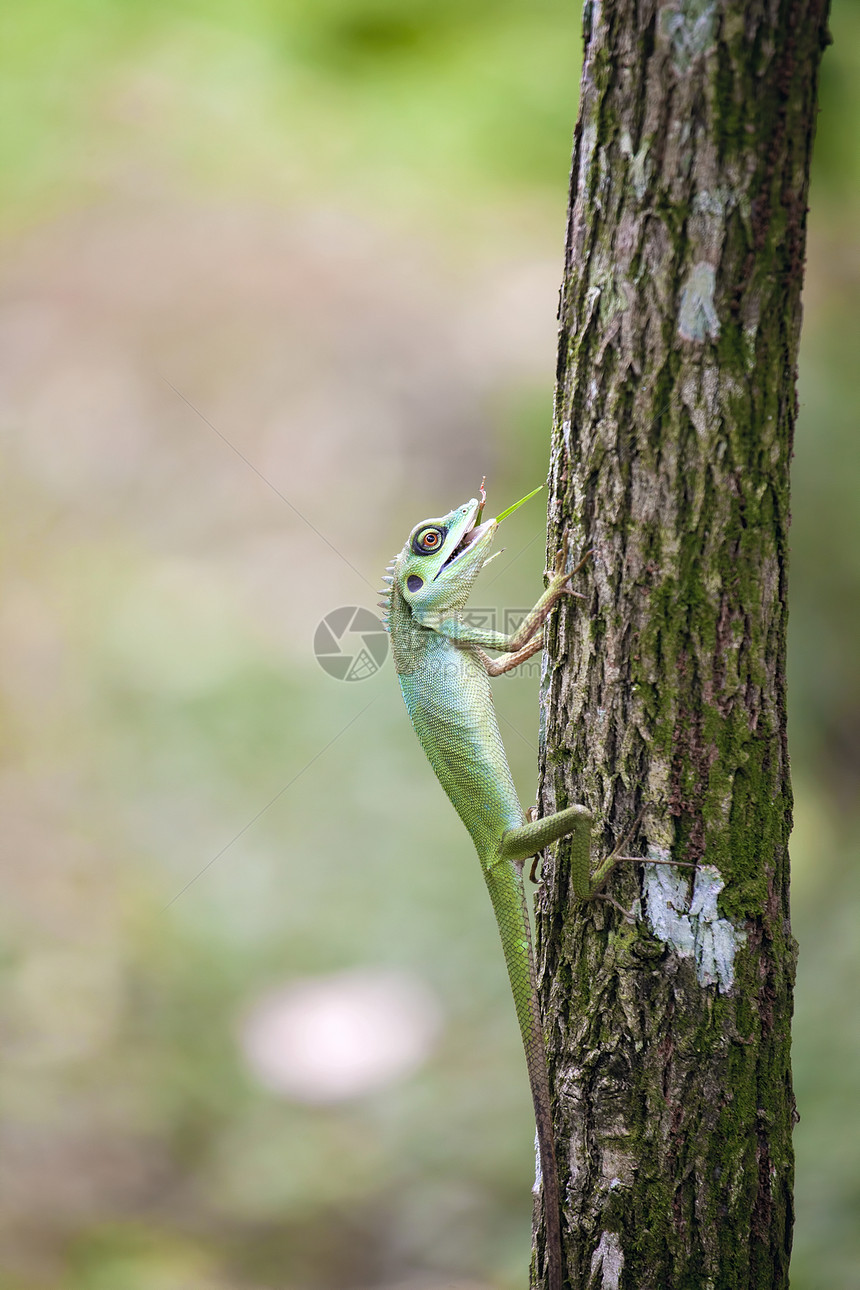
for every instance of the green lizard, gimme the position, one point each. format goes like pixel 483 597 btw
pixel 444 674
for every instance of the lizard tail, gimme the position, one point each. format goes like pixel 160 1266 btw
pixel 505 883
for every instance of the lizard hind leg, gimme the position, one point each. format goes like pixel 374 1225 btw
pixel 527 839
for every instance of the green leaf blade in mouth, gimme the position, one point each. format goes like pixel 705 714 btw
pixel 504 515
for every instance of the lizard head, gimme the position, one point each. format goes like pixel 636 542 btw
pixel 442 557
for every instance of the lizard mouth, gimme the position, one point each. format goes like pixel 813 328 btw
pixel 469 538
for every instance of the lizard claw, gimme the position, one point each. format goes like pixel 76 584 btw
pixel 628 914
pixel 561 575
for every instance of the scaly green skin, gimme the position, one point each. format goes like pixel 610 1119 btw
pixel 444 675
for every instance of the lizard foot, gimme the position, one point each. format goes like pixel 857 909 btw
pixel 561 576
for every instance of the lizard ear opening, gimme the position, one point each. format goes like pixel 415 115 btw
pixel 414 583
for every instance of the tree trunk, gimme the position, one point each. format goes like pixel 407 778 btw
pixel 664 690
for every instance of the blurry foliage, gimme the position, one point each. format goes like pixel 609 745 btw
pixel 401 100
pixel 166 722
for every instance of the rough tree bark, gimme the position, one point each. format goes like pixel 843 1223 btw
pixel 665 689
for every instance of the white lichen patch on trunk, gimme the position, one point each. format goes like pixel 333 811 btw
pixel 692 925
pixel 639 163
pixel 607 1262
pixel 690 27
pixel 697 316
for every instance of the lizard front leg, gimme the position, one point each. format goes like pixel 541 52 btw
pixel 461 633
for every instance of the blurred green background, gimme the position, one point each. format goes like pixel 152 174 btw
pixel 276 281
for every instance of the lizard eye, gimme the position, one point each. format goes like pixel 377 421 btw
pixel 428 541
